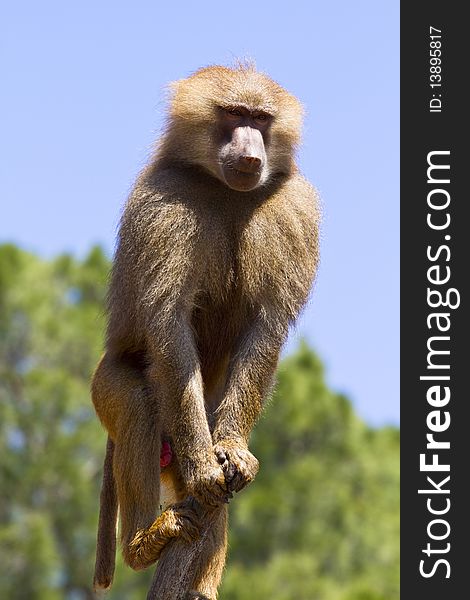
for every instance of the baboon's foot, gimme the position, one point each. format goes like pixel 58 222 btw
pixel 238 464
pixel 177 520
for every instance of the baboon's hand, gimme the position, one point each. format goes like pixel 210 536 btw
pixel 206 482
pixel 238 463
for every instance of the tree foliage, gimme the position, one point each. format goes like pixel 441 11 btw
pixel 320 522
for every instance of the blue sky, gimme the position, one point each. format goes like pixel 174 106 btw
pixel 82 101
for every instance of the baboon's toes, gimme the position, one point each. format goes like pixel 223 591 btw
pixel 189 524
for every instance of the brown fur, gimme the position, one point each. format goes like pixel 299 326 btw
pixel 205 283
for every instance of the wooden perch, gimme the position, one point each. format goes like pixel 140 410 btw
pixel 182 567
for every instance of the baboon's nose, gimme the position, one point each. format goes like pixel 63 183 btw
pixel 249 164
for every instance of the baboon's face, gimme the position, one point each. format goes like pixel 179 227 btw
pixel 242 158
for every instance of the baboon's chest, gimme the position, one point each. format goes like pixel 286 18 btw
pixel 255 271
pixel 219 278
pixel 221 305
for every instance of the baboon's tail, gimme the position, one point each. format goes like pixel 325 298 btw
pixel 106 542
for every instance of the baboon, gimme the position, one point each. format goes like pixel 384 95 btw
pixel 217 251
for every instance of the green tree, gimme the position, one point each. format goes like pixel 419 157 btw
pixel 51 324
pixel 321 520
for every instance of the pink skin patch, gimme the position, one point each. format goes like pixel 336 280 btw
pixel 166 455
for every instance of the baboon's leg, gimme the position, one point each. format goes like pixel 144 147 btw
pixel 195 570
pixel 122 400
pixel 146 546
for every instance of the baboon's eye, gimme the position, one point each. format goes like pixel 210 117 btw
pixel 235 112
pixel 262 117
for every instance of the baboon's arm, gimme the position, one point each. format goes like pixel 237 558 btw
pixel 251 372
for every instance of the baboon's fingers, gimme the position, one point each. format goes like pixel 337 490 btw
pixel 228 467
pixel 231 473
pixel 238 464
pixel 208 485
pixel 221 456
pixel 239 481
